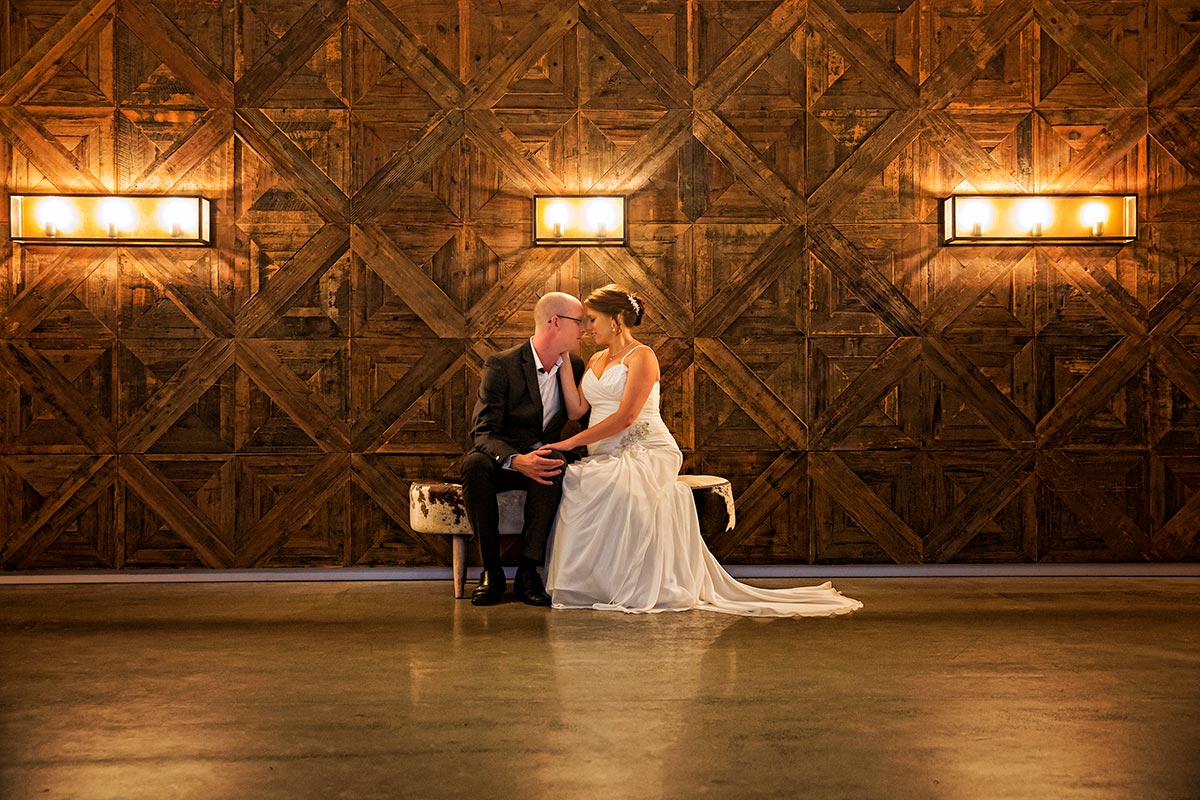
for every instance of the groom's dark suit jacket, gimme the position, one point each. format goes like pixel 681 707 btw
pixel 508 411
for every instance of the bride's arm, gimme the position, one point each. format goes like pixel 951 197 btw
pixel 643 372
pixel 577 404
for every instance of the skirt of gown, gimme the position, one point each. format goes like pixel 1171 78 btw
pixel 627 538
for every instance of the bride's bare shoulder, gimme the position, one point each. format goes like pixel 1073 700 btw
pixel 643 353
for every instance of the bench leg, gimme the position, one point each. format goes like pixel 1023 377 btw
pixel 459 545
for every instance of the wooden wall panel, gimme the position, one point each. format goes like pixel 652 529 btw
pixel 873 397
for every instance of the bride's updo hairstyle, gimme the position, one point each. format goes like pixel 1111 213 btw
pixel 617 302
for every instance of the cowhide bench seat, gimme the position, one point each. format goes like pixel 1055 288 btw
pixel 437 507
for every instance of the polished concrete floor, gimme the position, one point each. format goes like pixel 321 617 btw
pixel 964 689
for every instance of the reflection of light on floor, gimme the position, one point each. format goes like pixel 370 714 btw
pixel 959 689
pixel 625 680
pixel 1015 700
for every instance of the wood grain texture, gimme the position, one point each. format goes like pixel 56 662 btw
pixel 756 399
pixel 386 186
pixel 41 379
pixel 175 511
pixel 872 396
pixel 887 530
pixel 408 281
pixel 303 405
pixel 552 21
pixel 289 53
pixel 65 170
pixel 53 284
pixel 749 52
pixel 741 159
pixel 403 47
pixel 305 177
pixel 636 53
pixel 172 165
pixel 36 64
pixel 59 509
pixel 292 510
pixel 172 45
pixel 1062 23
pixel 195 301
pixel 389 489
pixel 318 254
pixel 183 389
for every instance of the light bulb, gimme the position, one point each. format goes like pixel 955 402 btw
pixel 557 215
pixel 117 215
pixel 1034 216
pixel 1094 215
pixel 178 216
pixel 56 215
pixel 976 216
pixel 601 215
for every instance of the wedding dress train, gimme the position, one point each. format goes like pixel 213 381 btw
pixel 627 537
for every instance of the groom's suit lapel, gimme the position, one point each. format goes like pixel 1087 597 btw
pixel 529 370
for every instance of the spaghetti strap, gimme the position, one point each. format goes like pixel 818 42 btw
pixel 631 352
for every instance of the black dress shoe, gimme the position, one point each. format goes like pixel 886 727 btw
pixel 490 589
pixel 529 589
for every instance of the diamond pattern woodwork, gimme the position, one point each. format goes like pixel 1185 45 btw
pixel 872 397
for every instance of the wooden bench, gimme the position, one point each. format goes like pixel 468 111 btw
pixel 437 507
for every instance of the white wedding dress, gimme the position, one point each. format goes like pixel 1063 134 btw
pixel 627 537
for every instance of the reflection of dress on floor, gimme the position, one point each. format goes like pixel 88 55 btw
pixel 627 537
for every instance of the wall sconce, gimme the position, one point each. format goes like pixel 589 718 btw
pixel 586 219
pixel 111 219
pixel 1039 219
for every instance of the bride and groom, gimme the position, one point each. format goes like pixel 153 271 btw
pixel 625 533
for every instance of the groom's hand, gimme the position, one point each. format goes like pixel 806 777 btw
pixel 540 465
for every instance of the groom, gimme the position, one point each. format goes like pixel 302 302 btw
pixel 519 409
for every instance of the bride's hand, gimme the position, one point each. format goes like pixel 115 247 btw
pixel 566 371
pixel 576 403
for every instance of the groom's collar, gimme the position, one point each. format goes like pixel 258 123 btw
pixel 537 362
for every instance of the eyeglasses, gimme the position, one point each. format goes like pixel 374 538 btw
pixel 574 319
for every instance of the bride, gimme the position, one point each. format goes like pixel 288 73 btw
pixel 627 537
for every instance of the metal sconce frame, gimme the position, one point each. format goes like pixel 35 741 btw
pixel 92 219
pixel 1005 219
pixel 582 220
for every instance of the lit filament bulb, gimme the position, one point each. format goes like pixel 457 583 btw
pixel 116 215
pixel 1034 216
pixel 1094 215
pixel 178 216
pixel 556 216
pixel 601 216
pixel 976 216
pixel 56 215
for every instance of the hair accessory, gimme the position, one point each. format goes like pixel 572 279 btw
pixel 637 307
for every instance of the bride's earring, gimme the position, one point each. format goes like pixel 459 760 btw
pixel 614 327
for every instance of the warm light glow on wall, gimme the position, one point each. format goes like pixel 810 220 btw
pixel 109 219
pixel 1039 219
pixel 579 220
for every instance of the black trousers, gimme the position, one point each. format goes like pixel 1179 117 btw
pixel 482 480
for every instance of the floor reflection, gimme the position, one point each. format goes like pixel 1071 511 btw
pixel 942 689
pixel 628 687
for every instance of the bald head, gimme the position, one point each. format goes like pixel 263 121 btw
pixel 553 303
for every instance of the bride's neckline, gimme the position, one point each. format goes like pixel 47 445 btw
pixel 611 363
pixel 600 375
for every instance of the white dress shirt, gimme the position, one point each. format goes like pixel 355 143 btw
pixel 548 389
pixel 547 386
